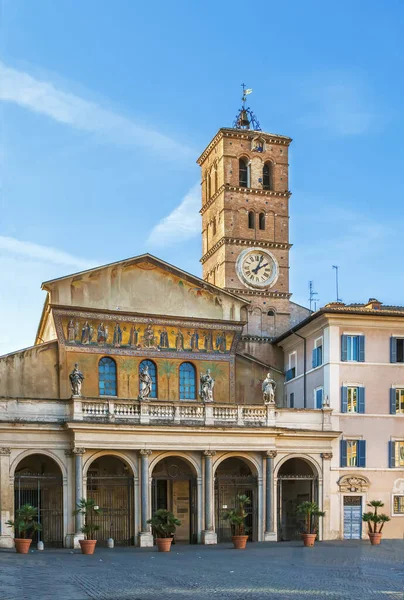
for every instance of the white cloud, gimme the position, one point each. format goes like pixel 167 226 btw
pixel 45 98
pixel 338 103
pixel 182 224
pixel 43 253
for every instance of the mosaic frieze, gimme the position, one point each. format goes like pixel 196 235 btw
pixel 152 335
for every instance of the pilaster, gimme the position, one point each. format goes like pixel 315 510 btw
pixel 6 500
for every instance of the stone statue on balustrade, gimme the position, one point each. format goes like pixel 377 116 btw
pixel 207 384
pixel 268 389
pixel 145 384
pixel 76 379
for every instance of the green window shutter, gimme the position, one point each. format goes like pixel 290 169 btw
pixel 344 399
pixel 344 348
pixel 361 444
pixel 393 404
pixel 361 340
pixel 361 399
pixel 392 455
pixel 343 453
pixel 314 358
pixel 393 349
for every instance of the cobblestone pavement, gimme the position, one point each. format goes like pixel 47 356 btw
pixel 333 570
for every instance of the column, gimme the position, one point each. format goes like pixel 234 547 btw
pixel 78 493
pixel 324 500
pixel 270 533
pixel 145 535
pixel 6 500
pixel 209 535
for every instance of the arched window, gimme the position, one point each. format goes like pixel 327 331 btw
pixel 262 221
pixel 214 227
pixel 216 180
pixel 267 176
pixel 208 187
pixel 251 220
pixel 153 374
pixel 187 381
pixel 212 182
pixel 243 172
pixel 107 377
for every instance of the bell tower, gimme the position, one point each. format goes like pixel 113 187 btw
pixel 245 221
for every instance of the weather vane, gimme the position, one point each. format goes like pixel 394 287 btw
pixel 245 118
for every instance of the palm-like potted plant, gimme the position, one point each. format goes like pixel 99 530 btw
pixel 89 509
pixel 164 524
pixel 375 522
pixel 311 513
pixel 236 517
pixel 25 524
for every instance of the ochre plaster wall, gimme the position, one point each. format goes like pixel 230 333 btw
pixel 31 373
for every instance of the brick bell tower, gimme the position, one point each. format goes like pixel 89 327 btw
pixel 245 222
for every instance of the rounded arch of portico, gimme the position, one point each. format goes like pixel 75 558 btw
pixel 121 455
pixel 249 460
pixel 188 459
pixel 20 457
pixel 305 457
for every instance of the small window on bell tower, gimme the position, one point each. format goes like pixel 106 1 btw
pixel 267 176
pixel 262 221
pixel 251 220
pixel 243 173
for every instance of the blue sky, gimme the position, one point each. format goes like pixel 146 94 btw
pixel 105 107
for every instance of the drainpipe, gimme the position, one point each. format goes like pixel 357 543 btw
pixel 304 368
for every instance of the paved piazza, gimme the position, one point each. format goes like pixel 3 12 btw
pixel 340 570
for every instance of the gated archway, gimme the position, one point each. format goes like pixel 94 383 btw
pixel 174 488
pixel 110 485
pixel 38 481
pixel 233 477
pixel 297 483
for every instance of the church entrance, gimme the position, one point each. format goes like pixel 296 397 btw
pixel 174 489
pixel 38 481
pixel 297 483
pixel 234 477
pixel 110 485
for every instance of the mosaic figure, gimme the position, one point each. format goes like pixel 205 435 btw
pixel 87 333
pixel 102 333
pixel 207 384
pixel 208 341
pixel 145 384
pixel 268 389
pixel 76 379
pixel 179 341
pixel 164 339
pixel 148 336
pixel 134 336
pixel 221 342
pixel 71 331
pixel 194 341
pixel 117 341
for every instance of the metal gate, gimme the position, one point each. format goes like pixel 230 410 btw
pixel 227 488
pixel 44 492
pixel 290 525
pixel 114 495
pixel 352 517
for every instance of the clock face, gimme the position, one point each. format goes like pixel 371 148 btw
pixel 257 268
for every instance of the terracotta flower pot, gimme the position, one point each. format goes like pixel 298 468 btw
pixel 22 545
pixel 87 546
pixel 164 544
pixel 375 538
pixel 239 541
pixel 309 539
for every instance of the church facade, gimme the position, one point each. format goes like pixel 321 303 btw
pixel 144 388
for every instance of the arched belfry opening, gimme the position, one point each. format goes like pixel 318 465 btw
pixel 174 488
pixel 235 476
pixel 297 483
pixel 110 485
pixel 38 481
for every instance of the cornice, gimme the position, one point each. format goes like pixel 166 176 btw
pixel 243 242
pixel 263 293
pixel 249 134
pixel 226 187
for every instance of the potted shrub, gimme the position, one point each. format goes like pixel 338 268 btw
pixel 311 514
pixel 89 510
pixel 236 517
pixel 375 522
pixel 164 524
pixel 25 525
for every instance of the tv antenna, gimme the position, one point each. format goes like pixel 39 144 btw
pixel 312 293
pixel 336 267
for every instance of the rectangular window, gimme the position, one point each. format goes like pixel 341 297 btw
pixel 352 399
pixel 291 372
pixel 396 454
pixel 318 394
pixel 353 348
pixel 400 350
pixel 400 401
pixel 398 505
pixel 396 349
pixel 317 357
pixel 292 400
pixel 353 453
